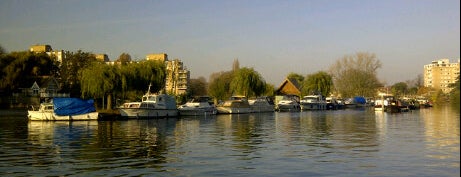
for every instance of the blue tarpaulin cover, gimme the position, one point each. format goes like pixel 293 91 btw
pixel 360 100
pixel 72 106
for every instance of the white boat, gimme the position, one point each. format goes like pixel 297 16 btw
pixel 151 106
pixel 355 102
pixel 64 109
pixel 333 103
pixel 261 104
pixel 235 105
pixel 287 103
pixel 313 102
pixel 199 106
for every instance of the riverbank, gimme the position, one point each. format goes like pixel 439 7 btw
pixel 109 114
pixel 13 112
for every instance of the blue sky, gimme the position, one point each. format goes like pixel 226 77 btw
pixel 273 37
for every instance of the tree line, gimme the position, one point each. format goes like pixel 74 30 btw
pixel 81 75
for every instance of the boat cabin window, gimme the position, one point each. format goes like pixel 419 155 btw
pixel 149 98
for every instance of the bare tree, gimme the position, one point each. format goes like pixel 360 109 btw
pixel 356 75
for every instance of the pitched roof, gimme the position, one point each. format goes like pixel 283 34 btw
pixel 289 87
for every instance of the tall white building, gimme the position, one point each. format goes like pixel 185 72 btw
pixel 440 74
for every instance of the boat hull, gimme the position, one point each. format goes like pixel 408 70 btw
pixel 137 113
pixel 197 112
pixel 313 106
pixel 50 116
pixel 288 108
pixel 233 110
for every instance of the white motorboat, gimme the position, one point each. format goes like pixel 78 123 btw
pixel 313 102
pixel 64 109
pixel 199 106
pixel 235 105
pixel 288 103
pixel 151 106
pixel 261 104
pixel 333 103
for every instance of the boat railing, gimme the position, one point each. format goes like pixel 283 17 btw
pixel 33 108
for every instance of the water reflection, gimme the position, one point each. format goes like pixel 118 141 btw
pixel 442 127
pixel 319 143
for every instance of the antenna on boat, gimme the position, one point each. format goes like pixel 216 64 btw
pixel 148 90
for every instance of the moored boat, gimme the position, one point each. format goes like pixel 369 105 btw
pixel 151 106
pixel 388 103
pixel 261 104
pixel 235 105
pixel 288 103
pixel 64 109
pixel 355 102
pixel 313 102
pixel 333 103
pixel 199 106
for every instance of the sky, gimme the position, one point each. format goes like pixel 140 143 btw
pixel 273 37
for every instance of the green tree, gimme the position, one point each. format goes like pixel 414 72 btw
pixel 269 90
pixel 129 81
pixel 298 77
pixel 197 87
pixel 100 80
pixel 19 68
pixel 136 77
pixel 2 50
pixel 248 82
pixel 219 86
pixel 317 82
pixel 399 89
pixel 356 75
pixel 455 92
pixel 124 58
pixel 438 97
pixel 71 66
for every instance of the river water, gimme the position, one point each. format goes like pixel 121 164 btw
pixel 423 142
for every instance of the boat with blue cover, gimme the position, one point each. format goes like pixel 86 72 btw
pixel 67 109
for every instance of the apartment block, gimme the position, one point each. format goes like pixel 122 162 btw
pixel 44 48
pixel 163 57
pixel 102 57
pixel 38 48
pixel 440 74
pixel 177 77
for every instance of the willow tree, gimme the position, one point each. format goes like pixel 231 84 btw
pixel 136 77
pixel 399 89
pixel 356 75
pixel 19 68
pixel 248 82
pixel 151 72
pixel 71 67
pixel 219 86
pixel 320 82
pixel 298 77
pixel 99 80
